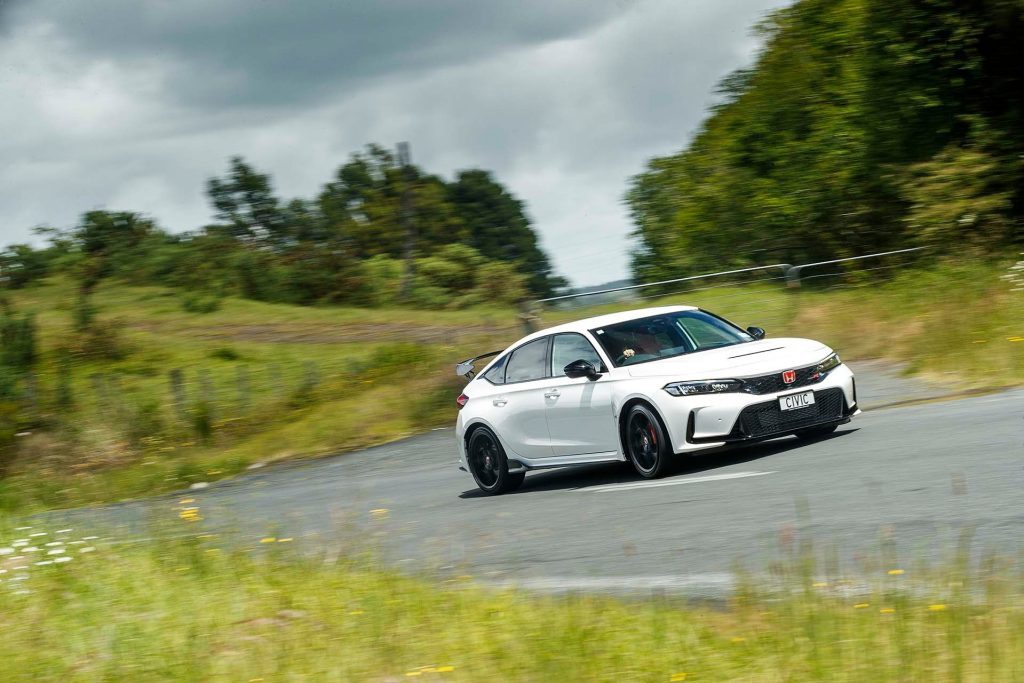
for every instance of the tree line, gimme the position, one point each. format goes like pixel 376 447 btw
pixel 864 125
pixel 472 242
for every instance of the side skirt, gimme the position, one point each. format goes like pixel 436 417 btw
pixel 521 465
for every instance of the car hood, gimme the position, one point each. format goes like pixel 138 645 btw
pixel 741 360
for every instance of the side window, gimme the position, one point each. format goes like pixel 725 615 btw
pixel 529 361
pixel 569 347
pixel 496 375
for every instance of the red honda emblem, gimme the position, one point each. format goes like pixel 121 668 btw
pixel 789 376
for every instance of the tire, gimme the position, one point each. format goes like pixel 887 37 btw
pixel 646 442
pixel 815 432
pixel 488 464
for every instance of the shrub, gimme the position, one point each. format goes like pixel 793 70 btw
pixel 202 420
pixel 200 303
pixel 225 353
pixel 18 341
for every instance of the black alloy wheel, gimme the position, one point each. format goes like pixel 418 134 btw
pixel 646 442
pixel 488 464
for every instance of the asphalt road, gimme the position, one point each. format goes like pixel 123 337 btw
pixel 907 479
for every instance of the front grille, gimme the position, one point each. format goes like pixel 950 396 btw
pixel 766 419
pixel 770 384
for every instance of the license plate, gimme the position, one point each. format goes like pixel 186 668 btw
pixel 795 401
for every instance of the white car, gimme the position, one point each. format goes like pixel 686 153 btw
pixel 642 386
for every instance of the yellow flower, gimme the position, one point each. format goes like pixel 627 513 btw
pixel 444 669
pixel 284 540
pixel 886 610
pixel 936 608
pixel 268 539
pixel 681 676
pixel 895 572
pixel 862 605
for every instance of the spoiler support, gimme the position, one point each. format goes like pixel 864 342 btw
pixel 465 368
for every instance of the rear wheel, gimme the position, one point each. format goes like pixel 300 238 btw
pixel 815 432
pixel 488 464
pixel 646 442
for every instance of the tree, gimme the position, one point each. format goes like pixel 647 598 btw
pixel 246 205
pixel 499 228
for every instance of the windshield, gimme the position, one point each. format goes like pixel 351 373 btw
pixel 664 336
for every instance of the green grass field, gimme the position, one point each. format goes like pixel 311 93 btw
pixel 193 610
pixel 261 383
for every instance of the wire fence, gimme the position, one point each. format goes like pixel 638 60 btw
pixel 790 275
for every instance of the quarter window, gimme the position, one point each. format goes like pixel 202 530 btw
pixel 496 375
pixel 567 348
pixel 529 361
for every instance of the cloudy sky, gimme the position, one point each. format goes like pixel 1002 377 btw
pixel 132 104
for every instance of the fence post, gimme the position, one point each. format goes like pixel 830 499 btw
pixel 209 397
pixel 243 389
pixel 178 396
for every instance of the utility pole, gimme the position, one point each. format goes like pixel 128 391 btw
pixel 406 174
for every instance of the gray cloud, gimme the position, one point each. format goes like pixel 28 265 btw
pixel 133 104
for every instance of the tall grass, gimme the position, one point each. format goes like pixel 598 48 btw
pixel 191 610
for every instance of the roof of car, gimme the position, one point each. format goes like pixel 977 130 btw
pixel 609 319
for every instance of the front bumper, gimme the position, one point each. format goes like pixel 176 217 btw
pixel 700 422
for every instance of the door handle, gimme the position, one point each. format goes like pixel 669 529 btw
pixel 552 393
pixel 500 402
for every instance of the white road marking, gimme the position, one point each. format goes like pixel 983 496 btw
pixel 708 581
pixel 670 482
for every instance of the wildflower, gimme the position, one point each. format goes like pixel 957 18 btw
pixel 284 540
pixel 862 605
pixel 895 572
pixel 268 539
pixel 936 608
pixel 886 610
pixel 444 669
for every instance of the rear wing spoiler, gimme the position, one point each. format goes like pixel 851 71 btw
pixel 466 367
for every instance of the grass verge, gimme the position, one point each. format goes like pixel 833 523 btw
pixel 190 610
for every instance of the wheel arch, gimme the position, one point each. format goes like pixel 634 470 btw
pixel 627 405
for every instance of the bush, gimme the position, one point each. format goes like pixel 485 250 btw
pixel 225 353
pixel 200 303
pixel 18 341
pixel 202 420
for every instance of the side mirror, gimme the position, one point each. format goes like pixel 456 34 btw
pixel 581 368
pixel 756 332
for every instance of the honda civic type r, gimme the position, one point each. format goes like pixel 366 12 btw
pixel 642 386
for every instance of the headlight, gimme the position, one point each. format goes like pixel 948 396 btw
pixel 703 386
pixel 830 363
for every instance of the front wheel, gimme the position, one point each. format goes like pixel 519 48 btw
pixel 646 442
pixel 815 432
pixel 488 464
